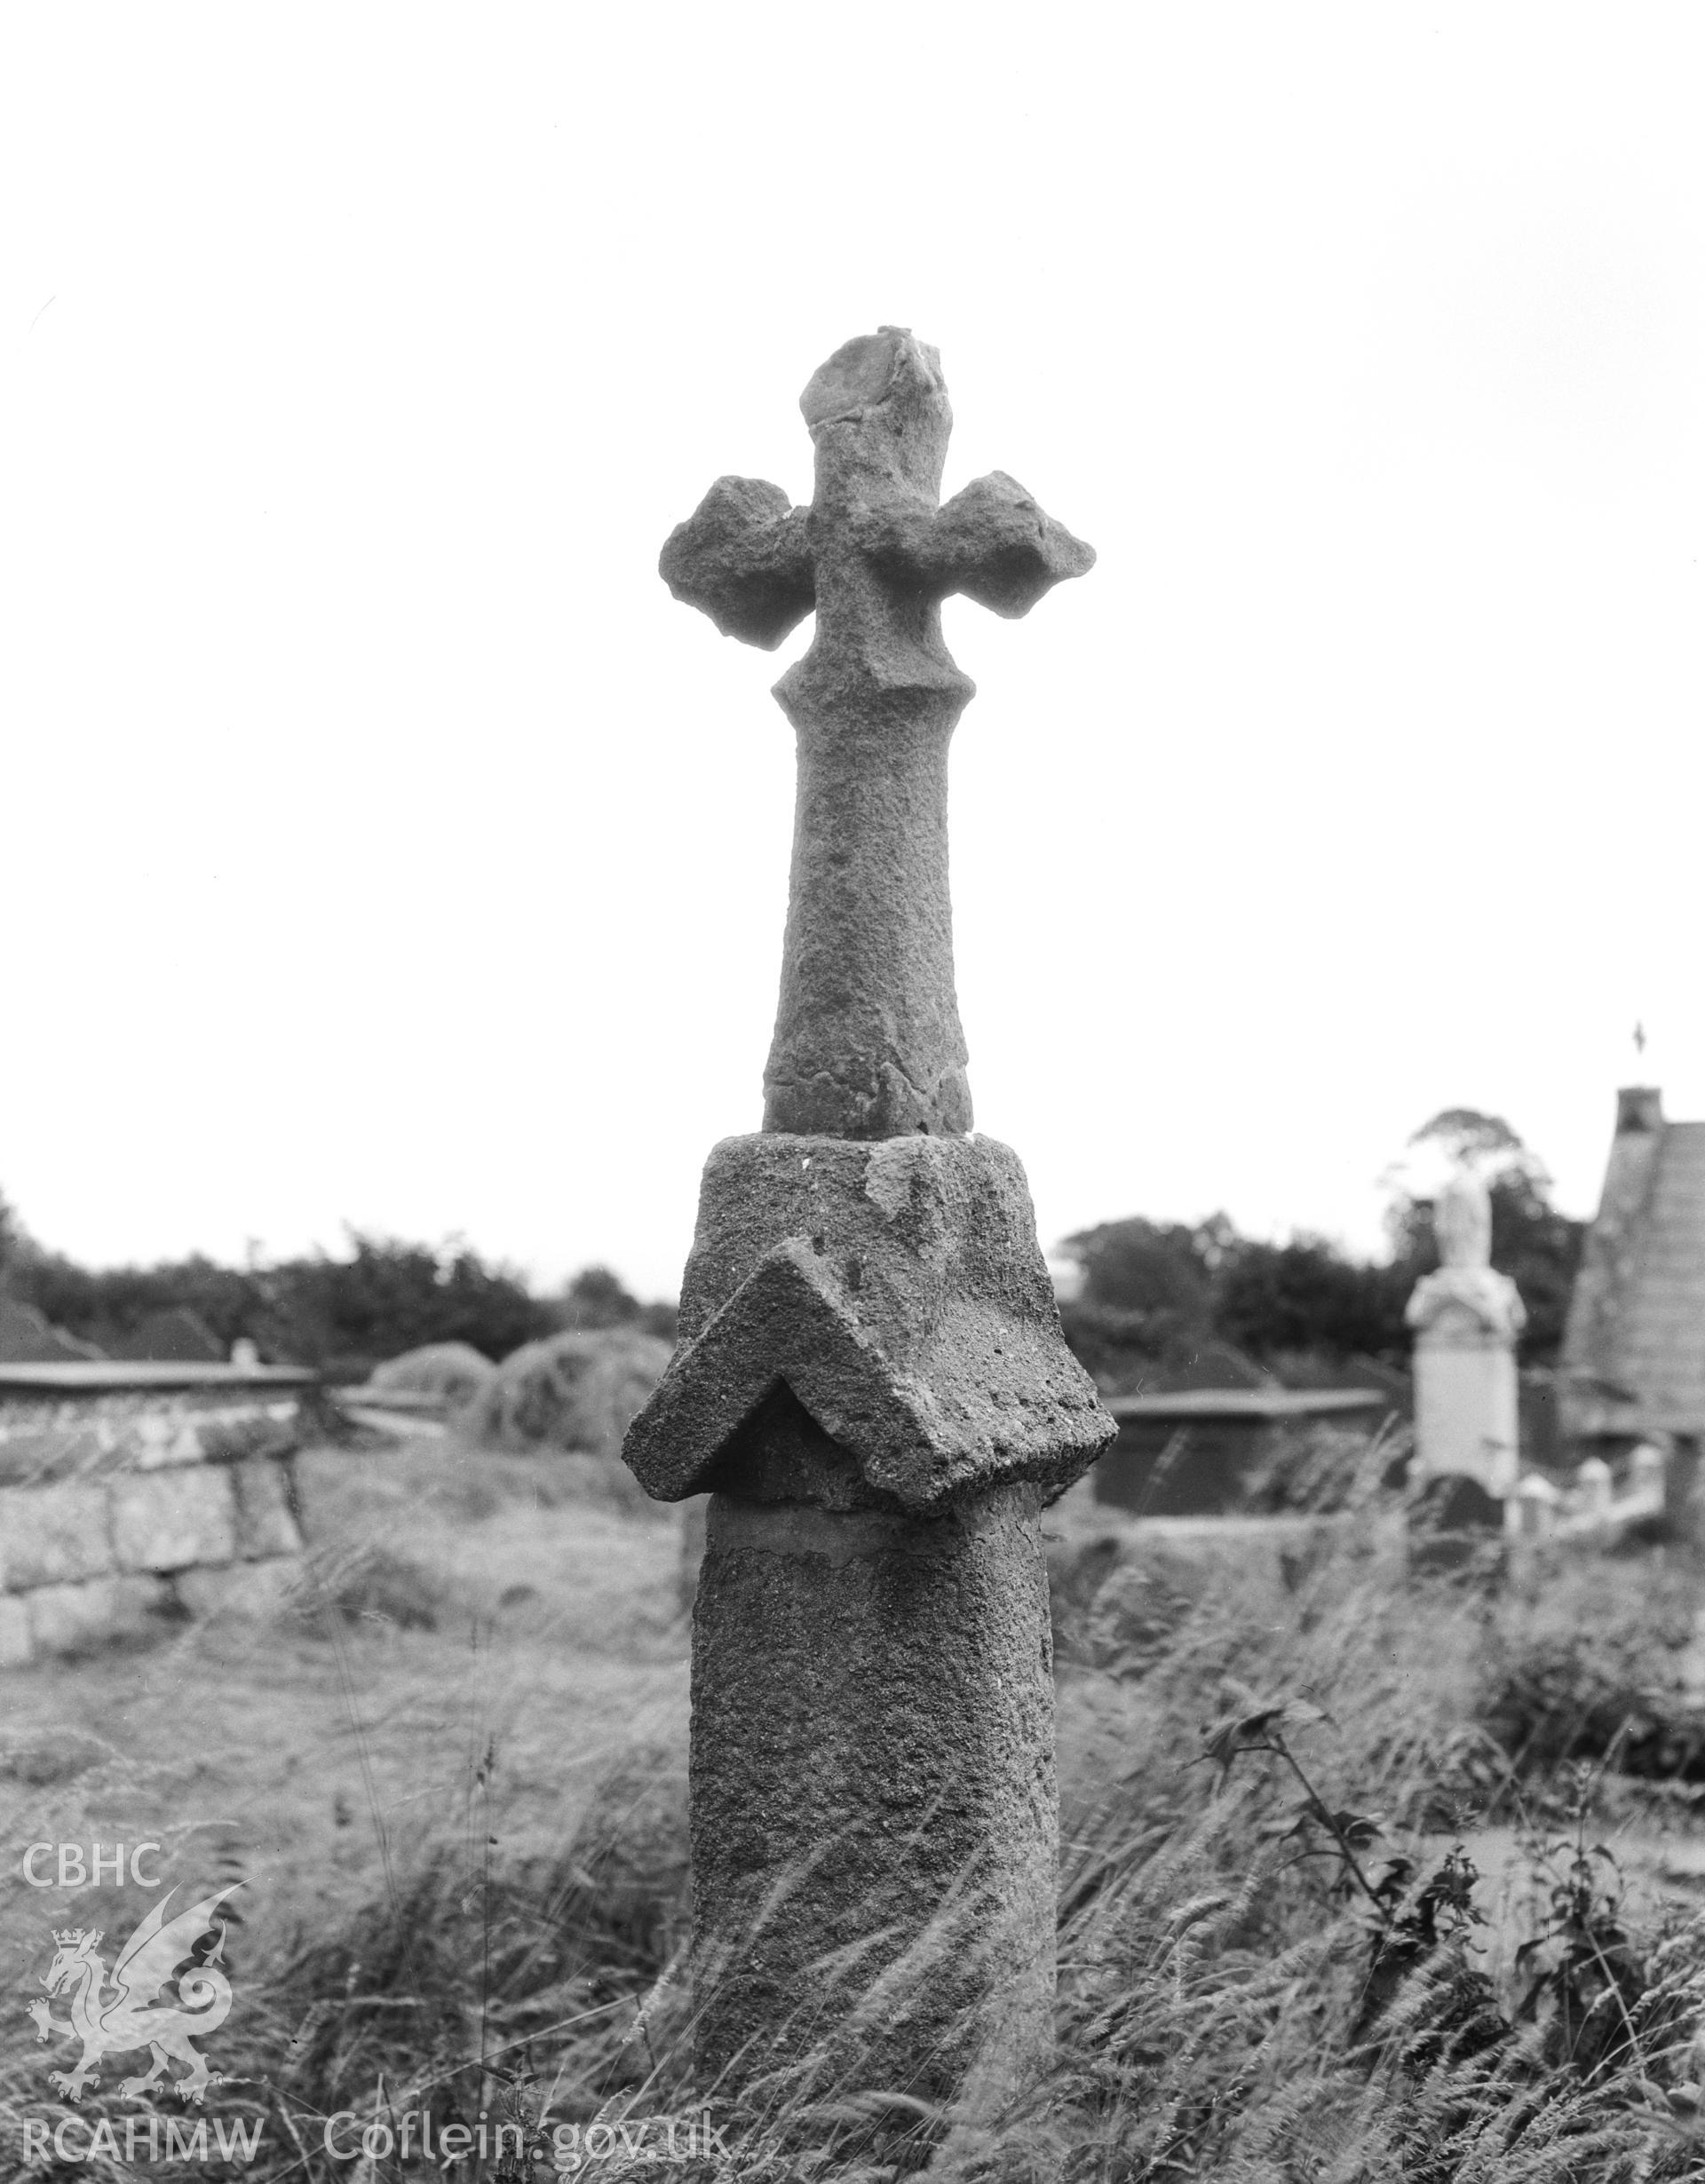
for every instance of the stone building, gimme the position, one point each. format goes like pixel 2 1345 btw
pixel 1633 1365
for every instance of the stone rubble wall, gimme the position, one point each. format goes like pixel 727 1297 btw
pixel 120 1509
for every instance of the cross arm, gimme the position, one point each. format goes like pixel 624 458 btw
pixel 742 558
pixel 992 542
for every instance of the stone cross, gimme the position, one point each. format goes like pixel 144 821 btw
pixel 870 1382
pixel 868 1042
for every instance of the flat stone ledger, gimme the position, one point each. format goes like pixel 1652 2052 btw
pixel 875 1814
pixel 124 1504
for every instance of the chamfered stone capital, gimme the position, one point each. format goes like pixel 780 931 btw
pixel 894 1287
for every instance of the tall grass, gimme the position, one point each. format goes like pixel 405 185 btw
pixel 1334 1904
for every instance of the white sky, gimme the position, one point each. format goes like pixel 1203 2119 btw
pixel 382 844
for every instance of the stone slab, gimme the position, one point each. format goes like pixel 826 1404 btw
pixel 264 1523
pixel 53 1535
pixel 65 1618
pixel 169 1520
pixel 146 1378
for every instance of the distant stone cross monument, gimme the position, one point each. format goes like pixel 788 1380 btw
pixel 871 1384
pixel 1466 1318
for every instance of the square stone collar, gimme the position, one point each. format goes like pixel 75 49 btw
pixel 895 1286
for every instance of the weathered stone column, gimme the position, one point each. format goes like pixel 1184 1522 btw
pixel 870 1382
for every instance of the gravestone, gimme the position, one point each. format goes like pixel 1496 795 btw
pixel 1531 1510
pixel 870 1382
pixel 1466 1318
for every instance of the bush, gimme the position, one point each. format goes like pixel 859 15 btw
pixel 572 1391
pixel 390 1296
pixel 1589 1667
pixel 455 1373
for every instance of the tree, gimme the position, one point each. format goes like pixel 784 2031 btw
pixel 1151 1288
pixel 389 1296
pixel 1306 1296
pixel 99 1305
pixel 597 1298
pixel 1148 1280
pixel 340 1315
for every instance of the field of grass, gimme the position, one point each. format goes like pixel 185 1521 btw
pixel 484 1648
pixel 1364 1877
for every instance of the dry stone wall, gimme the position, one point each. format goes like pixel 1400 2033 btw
pixel 120 1504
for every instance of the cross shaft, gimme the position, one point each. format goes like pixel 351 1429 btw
pixel 867 1041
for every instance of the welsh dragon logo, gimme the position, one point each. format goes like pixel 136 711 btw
pixel 116 2011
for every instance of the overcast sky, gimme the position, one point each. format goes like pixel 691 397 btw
pixel 382 844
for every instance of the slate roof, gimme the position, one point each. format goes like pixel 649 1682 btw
pixel 1634 1353
pixel 1662 1344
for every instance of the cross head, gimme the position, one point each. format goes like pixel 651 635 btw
pixel 867 1041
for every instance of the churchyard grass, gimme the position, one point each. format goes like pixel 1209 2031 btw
pixel 1348 1889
